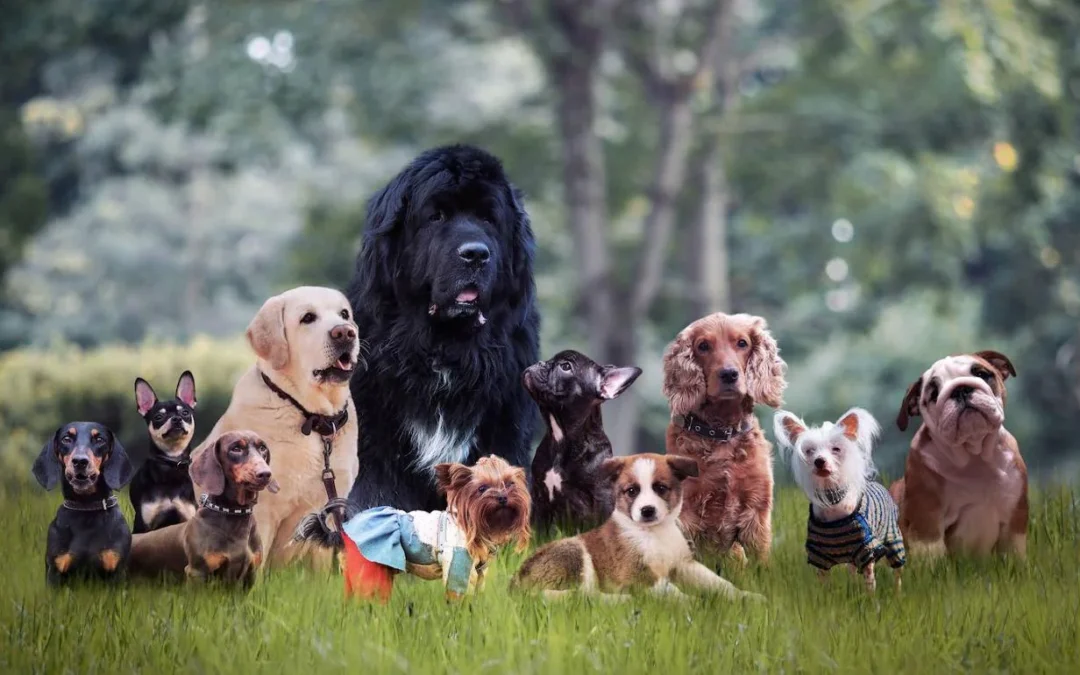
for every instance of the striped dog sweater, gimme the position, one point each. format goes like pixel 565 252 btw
pixel 868 534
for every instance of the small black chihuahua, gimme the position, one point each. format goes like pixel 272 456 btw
pixel 161 492
pixel 567 488
pixel 89 536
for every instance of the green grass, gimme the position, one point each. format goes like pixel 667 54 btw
pixel 974 616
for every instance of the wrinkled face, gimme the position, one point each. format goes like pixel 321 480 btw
pixel 171 423
pixel 82 450
pixel 570 384
pixel 962 399
pixel 648 488
pixel 245 460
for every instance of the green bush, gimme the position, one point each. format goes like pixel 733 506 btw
pixel 42 389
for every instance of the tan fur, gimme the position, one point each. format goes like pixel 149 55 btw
pixel 214 560
pixel 729 505
pixel 964 489
pixel 297 458
pixel 63 562
pixel 109 559
pixel 158 552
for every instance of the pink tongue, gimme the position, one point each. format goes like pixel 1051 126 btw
pixel 467 296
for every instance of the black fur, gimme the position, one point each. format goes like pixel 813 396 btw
pixel 163 476
pixel 569 388
pixel 431 354
pixel 85 535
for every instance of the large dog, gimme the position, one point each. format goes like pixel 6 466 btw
pixel 294 397
pixel 445 301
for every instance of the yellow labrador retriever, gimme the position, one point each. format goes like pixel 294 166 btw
pixel 295 396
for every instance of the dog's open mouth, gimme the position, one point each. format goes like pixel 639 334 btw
pixel 340 370
pixel 465 304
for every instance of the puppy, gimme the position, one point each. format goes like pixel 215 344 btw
pixel 965 486
pixel 853 520
pixel 296 398
pixel 88 536
pixel 161 491
pixel 567 489
pixel 641 545
pixel 487 506
pixel 715 370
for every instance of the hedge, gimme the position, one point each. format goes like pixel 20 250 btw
pixel 42 389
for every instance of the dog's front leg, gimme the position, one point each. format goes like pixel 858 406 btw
pixel 868 576
pixel 665 589
pixel 696 575
pixel 823 576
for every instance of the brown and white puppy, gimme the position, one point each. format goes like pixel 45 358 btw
pixel 965 484
pixel 307 347
pixel 640 546
pixel 715 371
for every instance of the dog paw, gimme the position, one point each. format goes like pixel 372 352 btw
pixel 755 598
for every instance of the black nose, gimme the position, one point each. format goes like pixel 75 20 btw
pixel 263 475
pixel 80 462
pixel 474 253
pixel 343 332
pixel 729 375
pixel 962 393
pixel 501 499
pixel 648 512
pixel 820 462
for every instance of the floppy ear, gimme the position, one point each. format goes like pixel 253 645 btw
pixel 266 333
pixel 610 469
pixel 682 467
pixel 206 470
pixel 185 389
pixel 522 286
pixel 860 426
pixel 788 428
pixel 117 467
pixel 373 277
pixel 47 465
pixel 684 381
pixel 451 477
pixel 145 398
pixel 999 361
pixel 910 407
pixel 765 368
pixel 614 381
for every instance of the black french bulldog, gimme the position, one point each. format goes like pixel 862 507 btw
pixel 161 492
pixel 567 489
pixel 89 536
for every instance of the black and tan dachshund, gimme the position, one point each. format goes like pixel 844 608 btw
pixel 89 536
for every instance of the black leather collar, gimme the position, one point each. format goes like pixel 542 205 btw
pixel 695 425
pixel 182 463
pixel 109 502
pixel 324 425
pixel 206 502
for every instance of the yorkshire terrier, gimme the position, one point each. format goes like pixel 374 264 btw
pixel 853 518
pixel 488 505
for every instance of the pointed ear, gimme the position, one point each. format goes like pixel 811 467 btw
pixel 206 470
pixel 266 333
pixel 682 467
pixel 614 381
pixel 46 467
pixel 684 381
pixel 860 426
pixel 788 428
pixel 451 477
pixel 117 467
pixel 145 398
pixel 610 469
pixel 185 389
pixel 765 368
pixel 910 407
pixel 999 361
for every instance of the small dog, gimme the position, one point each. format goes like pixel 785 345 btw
pixel 487 506
pixel 965 486
pixel 161 491
pixel 89 536
pixel 715 370
pixel 853 519
pixel 641 545
pixel 221 541
pixel 567 489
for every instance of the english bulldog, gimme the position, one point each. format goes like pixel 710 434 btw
pixel 965 487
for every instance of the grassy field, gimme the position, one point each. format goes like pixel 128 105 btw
pixel 985 617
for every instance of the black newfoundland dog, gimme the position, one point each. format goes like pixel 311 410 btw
pixel 444 297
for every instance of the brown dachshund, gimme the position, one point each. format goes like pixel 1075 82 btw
pixel 221 541
pixel 715 370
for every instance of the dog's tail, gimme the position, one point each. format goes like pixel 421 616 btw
pixel 315 527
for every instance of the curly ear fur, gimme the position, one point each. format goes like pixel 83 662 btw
pixel 266 333
pixel 765 369
pixel 451 476
pixel 910 407
pixel 684 381
pixel 682 467
pixel 46 467
pixel 117 468
pixel 206 470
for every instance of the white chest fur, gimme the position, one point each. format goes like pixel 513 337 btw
pixel 439 443
pixel 662 547
pixel 150 510
pixel 979 497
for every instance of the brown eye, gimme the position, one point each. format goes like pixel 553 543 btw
pixel 703 347
pixel 565 366
pixel 982 374
pixel 308 318
pixel 235 450
pixel 437 216
pixel 481 490
pixel 345 314
pixel 742 343
pixel 836 450
pixel 632 491
pixel 660 489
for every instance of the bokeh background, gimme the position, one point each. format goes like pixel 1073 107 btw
pixel 886 181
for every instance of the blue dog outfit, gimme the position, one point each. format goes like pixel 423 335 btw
pixel 862 538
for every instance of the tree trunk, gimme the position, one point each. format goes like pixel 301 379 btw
pixel 709 283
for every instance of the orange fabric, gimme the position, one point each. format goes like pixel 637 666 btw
pixel 366 579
